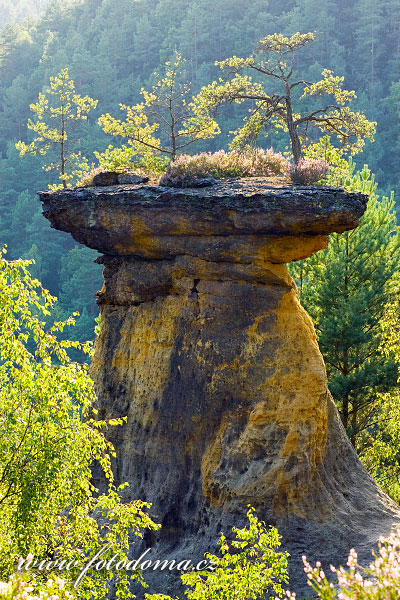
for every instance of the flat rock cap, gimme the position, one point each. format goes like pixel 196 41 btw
pixel 160 222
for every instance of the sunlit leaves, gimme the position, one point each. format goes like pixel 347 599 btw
pixel 273 60
pixel 139 133
pixel 277 42
pixel 164 123
pixel 53 127
pixel 248 568
pixel 49 442
pixel 330 84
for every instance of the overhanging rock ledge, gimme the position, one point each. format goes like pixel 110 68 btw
pixel 206 349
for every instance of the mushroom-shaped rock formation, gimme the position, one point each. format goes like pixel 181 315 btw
pixel 206 349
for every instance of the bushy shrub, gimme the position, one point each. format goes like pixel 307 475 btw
pixel 87 177
pixel 250 566
pixel 126 158
pixel 49 443
pixel 115 159
pixel 380 580
pixel 187 170
pixel 308 171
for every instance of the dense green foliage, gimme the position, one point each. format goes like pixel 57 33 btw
pixel 381 455
pixel 112 49
pixel 249 567
pixel 19 10
pixel 48 446
pixel 346 290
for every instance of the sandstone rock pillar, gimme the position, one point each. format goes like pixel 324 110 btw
pixel 208 352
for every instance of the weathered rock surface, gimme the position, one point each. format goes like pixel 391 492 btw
pixel 107 178
pixel 207 351
pixel 131 179
pixel 242 221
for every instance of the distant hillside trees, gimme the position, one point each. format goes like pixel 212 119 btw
pixel 13 11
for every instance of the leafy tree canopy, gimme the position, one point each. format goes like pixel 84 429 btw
pixel 54 125
pixel 48 443
pixel 274 60
pixel 167 111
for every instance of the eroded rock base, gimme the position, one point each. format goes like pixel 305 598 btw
pixel 216 366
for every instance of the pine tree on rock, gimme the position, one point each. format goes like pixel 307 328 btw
pixel 166 112
pixel 274 60
pixel 54 125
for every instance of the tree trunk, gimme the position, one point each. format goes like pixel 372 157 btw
pixel 63 161
pixel 173 155
pixel 345 412
pixel 172 125
pixel 294 137
pixel 354 419
pixel 295 141
pixel 173 135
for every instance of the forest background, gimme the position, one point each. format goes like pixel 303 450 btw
pixel 112 49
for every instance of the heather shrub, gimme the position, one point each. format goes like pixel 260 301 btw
pixel 187 170
pixel 308 171
pixel 379 581
pixel 22 587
